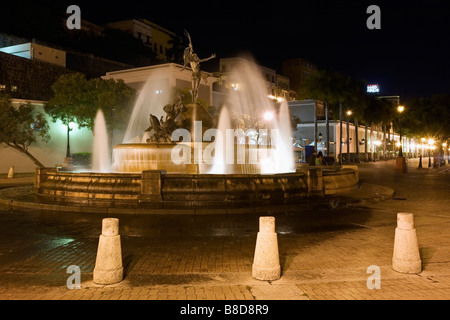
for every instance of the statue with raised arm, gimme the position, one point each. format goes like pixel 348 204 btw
pixel 193 59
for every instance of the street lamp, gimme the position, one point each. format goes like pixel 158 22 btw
pixel 422 144
pixel 68 158
pixel 430 147
pixel 349 113
pixel 400 109
pixel 444 148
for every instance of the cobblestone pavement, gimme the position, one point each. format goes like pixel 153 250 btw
pixel 324 252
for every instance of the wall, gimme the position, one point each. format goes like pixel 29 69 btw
pixel 37 52
pixel 36 85
pixel 49 154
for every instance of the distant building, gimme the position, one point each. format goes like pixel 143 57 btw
pixel 34 51
pixel 27 73
pixel 395 100
pixel 164 77
pixel 277 85
pixel 297 70
pixel 314 133
pixel 24 78
pixel 91 28
pixel 151 34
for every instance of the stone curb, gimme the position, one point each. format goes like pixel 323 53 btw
pixel 380 193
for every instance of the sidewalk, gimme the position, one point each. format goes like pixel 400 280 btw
pixel 324 252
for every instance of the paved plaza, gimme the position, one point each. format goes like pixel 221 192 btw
pixel 325 247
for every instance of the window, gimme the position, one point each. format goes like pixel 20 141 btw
pixel 13 88
pixel 2 87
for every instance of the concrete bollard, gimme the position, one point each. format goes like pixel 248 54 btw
pixel 266 263
pixel 406 257
pixel 11 172
pixel 108 265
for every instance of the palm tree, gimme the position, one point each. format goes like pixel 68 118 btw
pixel 357 104
pixel 378 111
pixel 331 87
pixel 317 87
pixel 341 93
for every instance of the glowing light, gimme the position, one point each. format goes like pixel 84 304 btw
pixel 400 108
pixel 268 116
pixel 349 112
pixel 373 88
pixel 430 141
pixel 72 126
pixel 377 143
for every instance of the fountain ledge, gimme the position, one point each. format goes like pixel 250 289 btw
pixel 155 191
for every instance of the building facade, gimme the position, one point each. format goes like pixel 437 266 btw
pixel 161 78
pixel 34 51
pixel 277 85
pixel 297 70
pixel 151 34
pixel 370 142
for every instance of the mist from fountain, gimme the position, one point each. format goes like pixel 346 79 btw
pixel 219 163
pixel 101 156
pixel 267 131
pixel 285 155
pixel 266 139
pixel 151 100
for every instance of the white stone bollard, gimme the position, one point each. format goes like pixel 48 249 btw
pixel 406 257
pixel 108 265
pixel 266 263
pixel 11 172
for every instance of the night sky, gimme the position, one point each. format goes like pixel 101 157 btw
pixel 409 56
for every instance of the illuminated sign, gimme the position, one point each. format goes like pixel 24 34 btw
pixel 373 88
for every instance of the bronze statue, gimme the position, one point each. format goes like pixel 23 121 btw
pixel 193 59
pixel 162 129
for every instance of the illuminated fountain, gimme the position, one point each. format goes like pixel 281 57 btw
pixel 251 137
pixel 176 156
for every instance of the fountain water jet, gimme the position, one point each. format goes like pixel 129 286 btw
pixel 219 161
pixel 101 156
pixel 154 94
pixel 265 137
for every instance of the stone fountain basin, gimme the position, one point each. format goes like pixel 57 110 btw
pixel 158 189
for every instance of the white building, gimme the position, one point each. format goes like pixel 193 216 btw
pixel 314 133
pixel 168 75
